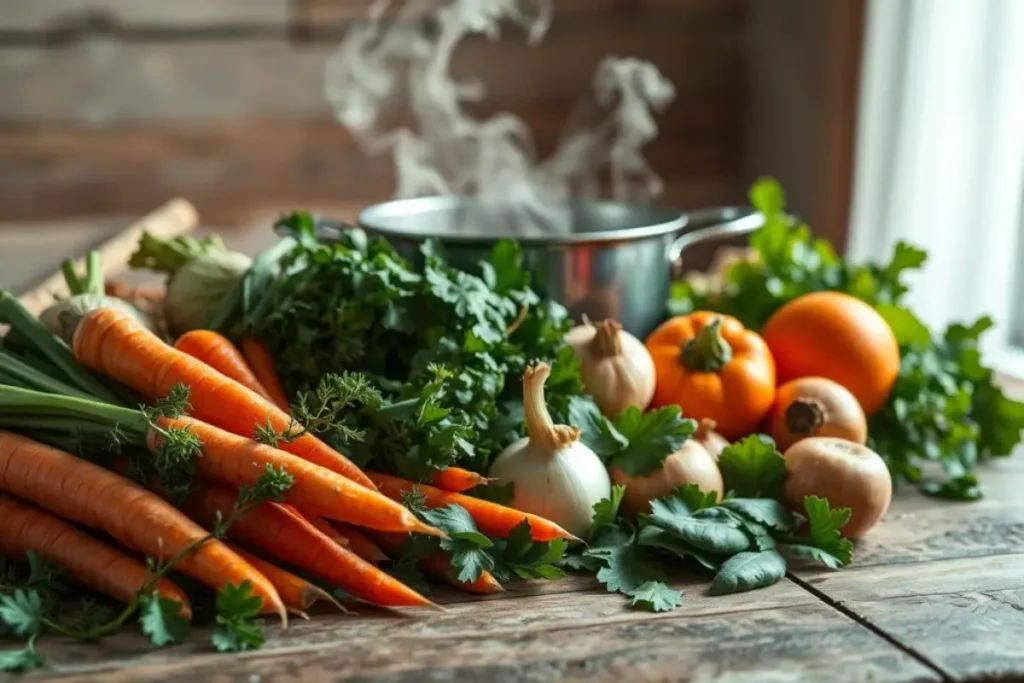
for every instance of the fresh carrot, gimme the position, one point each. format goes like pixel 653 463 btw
pixel 116 345
pixel 490 518
pixel 289 538
pixel 359 543
pixel 219 353
pixel 297 593
pixel 328 530
pixel 86 493
pixel 457 480
pixel 257 355
pixel 87 560
pixel 439 565
pixel 238 461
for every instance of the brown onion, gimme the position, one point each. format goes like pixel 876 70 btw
pixel 691 464
pixel 815 406
pixel 847 474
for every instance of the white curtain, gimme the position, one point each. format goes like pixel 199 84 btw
pixel 940 152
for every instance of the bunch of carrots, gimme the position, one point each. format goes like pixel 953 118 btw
pixel 285 516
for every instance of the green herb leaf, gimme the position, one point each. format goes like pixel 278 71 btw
pixel 596 431
pixel 720 534
pixel 965 487
pixel 455 521
pixel 753 468
pixel 747 571
pixel 238 629
pixel 694 498
pixel 606 511
pixel 823 541
pixel 654 537
pixel 519 556
pixel 626 567
pixel 769 512
pixel 22 612
pixel 25 659
pixel 161 619
pixel 655 596
pixel 651 437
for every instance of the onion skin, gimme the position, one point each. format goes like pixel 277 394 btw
pixel 815 406
pixel 713 442
pixel 616 367
pixel 847 474
pixel 691 464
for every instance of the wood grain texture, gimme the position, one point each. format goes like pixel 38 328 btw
pixel 571 636
pixel 104 81
pixel 62 15
pixel 965 616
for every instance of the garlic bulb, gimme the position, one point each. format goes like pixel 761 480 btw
pixel 615 366
pixel 555 475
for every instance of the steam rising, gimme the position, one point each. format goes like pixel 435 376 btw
pixel 399 59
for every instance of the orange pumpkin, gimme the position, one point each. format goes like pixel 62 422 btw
pixel 834 335
pixel 713 368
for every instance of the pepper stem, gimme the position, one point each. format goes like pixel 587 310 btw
pixel 539 426
pixel 805 415
pixel 708 351
pixel 607 341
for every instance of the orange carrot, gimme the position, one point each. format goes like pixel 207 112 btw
pixel 457 480
pixel 328 530
pixel 238 461
pixel 116 345
pixel 86 493
pixel 291 539
pixel 490 518
pixel 87 560
pixel 439 564
pixel 359 543
pixel 297 593
pixel 262 363
pixel 219 353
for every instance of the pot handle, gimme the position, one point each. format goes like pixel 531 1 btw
pixel 724 222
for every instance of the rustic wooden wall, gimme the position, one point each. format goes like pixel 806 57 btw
pixel 112 106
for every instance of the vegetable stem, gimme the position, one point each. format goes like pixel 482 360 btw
pixel 805 415
pixel 607 342
pixel 539 426
pixel 708 351
pixel 19 373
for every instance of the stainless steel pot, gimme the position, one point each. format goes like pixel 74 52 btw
pixel 617 262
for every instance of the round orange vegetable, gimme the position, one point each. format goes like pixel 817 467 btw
pixel 834 335
pixel 713 368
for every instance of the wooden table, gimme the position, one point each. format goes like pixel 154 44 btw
pixel 936 593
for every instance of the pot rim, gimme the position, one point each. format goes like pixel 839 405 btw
pixel 376 217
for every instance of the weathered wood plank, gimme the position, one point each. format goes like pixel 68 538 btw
pixel 62 15
pixel 576 637
pixel 230 168
pixel 964 615
pixel 327 18
pixel 104 81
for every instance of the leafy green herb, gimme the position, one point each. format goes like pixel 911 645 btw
pixel 747 571
pixel 722 536
pixel 161 619
pixel 650 437
pixel 694 498
pixel 627 567
pixel 655 596
pixel 753 468
pixel 766 511
pixel 520 556
pixel 24 659
pixel 238 628
pixel 606 511
pixel 823 543
pixel 22 612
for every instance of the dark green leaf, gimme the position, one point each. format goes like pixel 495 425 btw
pixel 823 533
pixel 704 534
pixel 626 568
pixel 596 431
pixel 455 521
pixel 22 612
pixel 25 659
pixel 811 553
pixel 965 487
pixel 654 537
pixel 694 498
pixel 771 513
pixel 747 571
pixel 753 468
pixel 606 511
pixel 655 596
pixel 651 437
pixel 161 619
pixel 238 601
pixel 237 636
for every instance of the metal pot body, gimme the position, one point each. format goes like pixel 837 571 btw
pixel 617 260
